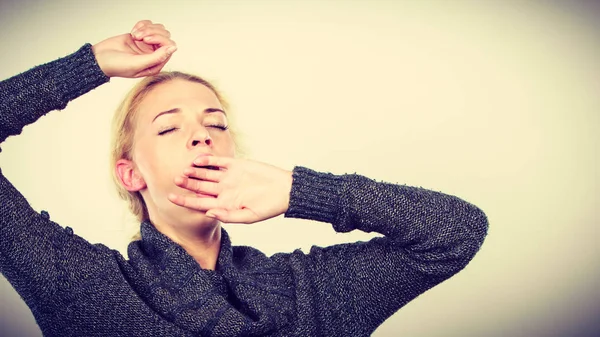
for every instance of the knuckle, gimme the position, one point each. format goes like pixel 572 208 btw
pixel 155 37
pixel 142 23
pixel 141 32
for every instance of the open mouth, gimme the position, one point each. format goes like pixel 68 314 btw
pixel 210 167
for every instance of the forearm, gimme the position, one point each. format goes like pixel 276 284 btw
pixel 429 236
pixel 412 217
pixel 26 97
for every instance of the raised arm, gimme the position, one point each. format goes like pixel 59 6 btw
pixel 37 256
pixel 26 97
pixel 429 236
pixel 346 289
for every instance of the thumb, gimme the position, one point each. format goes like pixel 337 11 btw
pixel 155 58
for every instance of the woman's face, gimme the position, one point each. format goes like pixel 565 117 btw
pixel 177 121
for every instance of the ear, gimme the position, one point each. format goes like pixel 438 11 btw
pixel 129 177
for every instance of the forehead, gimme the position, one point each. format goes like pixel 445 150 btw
pixel 177 93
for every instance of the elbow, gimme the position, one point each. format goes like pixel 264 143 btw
pixel 454 248
pixel 479 227
pixel 475 229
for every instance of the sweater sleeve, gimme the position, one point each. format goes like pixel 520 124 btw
pixel 350 289
pixel 37 256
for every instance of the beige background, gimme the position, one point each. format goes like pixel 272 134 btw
pixel 495 102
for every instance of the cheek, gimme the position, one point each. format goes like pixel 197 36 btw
pixel 151 163
pixel 224 145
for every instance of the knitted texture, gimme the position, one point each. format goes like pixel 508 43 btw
pixel 75 288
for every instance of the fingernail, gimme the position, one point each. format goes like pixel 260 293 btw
pixel 171 50
pixel 198 159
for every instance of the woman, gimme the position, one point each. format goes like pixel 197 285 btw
pixel 174 161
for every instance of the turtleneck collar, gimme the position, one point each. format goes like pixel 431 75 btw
pixel 254 293
pixel 161 248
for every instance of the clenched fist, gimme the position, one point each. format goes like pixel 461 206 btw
pixel 143 52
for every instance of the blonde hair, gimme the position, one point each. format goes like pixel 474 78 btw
pixel 123 130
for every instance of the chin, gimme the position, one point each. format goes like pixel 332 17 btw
pixel 195 218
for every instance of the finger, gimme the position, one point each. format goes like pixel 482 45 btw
pixel 157 58
pixel 203 174
pixel 198 186
pixel 152 70
pixel 140 24
pixel 243 215
pixel 148 72
pixel 204 160
pixel 197 203
pixel 158 40
pixel 150 30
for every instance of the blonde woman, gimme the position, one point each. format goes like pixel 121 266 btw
pixel 174 163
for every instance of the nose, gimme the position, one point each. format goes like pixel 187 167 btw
pixel 200 139
pixel 196 142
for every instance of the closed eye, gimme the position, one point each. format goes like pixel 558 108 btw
pixel 220 127
pixel 166 131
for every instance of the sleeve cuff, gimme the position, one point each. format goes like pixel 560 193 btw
pixel 316 196
pixel 79 73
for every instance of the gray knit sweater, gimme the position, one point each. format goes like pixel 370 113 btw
pixel 75 288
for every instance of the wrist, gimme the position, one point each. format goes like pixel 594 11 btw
pixel 79 73
pixel 98 55
pixel 315 195
pixel 287 183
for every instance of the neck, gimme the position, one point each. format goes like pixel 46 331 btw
pixel 202 244
pixel 203 248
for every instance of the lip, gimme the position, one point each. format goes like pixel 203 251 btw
pixel 210 167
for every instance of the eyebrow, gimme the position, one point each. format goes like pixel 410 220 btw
pixel 177 110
